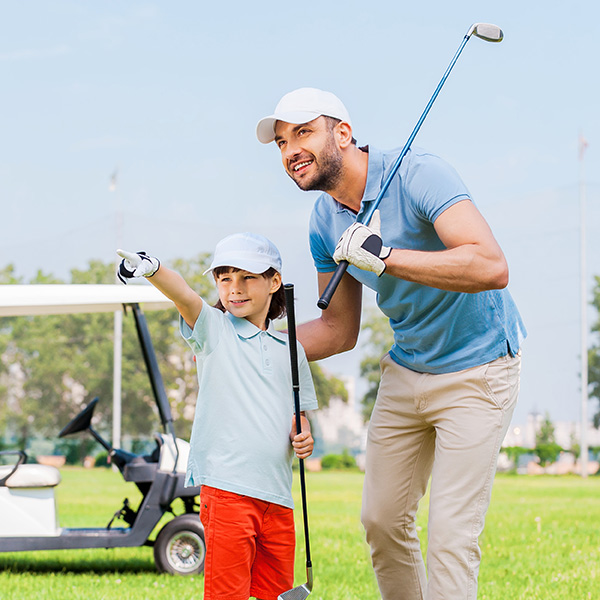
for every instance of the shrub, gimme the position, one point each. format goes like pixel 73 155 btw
pixel 338 461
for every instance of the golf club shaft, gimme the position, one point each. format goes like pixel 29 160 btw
pixel 325 299
pixel 291 317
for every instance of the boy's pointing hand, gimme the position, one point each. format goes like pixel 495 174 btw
pixel 136 264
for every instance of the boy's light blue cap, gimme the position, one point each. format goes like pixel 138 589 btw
pixel 248 251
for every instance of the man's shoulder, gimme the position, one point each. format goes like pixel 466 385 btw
pixel 323 208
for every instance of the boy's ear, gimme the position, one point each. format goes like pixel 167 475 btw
pixel 276 282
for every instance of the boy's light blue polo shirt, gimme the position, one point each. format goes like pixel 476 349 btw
pixel 240 438
pixel 435 331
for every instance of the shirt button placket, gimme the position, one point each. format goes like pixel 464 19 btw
pixel 264 350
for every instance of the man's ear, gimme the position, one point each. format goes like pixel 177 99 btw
pixel 344 134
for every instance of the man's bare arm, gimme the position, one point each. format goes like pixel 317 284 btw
pixel 472 262
pixel 336 330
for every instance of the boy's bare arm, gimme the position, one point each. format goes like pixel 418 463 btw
pixel 303 443
pixel 171 284
pixel 174 287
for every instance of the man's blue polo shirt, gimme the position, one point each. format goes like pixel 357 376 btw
pixel 435 331
pixel 244 413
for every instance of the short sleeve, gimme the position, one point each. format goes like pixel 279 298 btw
pixel 322 258
pixel 433 186
pixel 205 335
pixel 308 395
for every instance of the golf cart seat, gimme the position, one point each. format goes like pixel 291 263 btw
pixel 22 475
pixel 29 476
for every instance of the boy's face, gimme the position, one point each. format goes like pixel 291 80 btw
pixel 247 295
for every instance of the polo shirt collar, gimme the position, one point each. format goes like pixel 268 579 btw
pixel 374 179
pixel 247 330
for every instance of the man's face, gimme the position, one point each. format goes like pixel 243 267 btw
pixel 310 154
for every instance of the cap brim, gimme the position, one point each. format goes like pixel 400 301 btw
pixel 265 130
pixel 245 265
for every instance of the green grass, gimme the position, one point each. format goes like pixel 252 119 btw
pixel 541 542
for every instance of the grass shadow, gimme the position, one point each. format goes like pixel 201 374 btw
pixel 77 566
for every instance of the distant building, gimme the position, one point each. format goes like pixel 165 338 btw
pixel 340 426
pixel 566 434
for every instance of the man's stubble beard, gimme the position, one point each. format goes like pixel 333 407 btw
pixel 330 171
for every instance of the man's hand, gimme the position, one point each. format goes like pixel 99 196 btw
pixel 362 246
pixel 136 264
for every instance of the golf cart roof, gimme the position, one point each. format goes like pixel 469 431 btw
pixel 56 299
pixel 53 299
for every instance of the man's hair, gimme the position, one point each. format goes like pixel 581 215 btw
pixel 277 307
pixel 332 122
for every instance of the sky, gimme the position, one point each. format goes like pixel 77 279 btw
pixel 167 96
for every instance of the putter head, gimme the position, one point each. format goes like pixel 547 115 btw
pixel 302 591
pixel 487 32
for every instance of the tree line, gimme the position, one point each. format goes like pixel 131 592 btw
pixel 51 366
pixel 379 339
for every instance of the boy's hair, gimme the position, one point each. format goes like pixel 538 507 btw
pixel 277 307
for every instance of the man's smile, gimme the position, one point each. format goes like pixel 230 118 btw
pixel 301 165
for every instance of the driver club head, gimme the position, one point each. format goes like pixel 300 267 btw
pixel 487 32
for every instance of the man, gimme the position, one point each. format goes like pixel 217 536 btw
pixel 450 382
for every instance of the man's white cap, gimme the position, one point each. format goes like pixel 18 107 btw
pixel 248 251
pixel 301 106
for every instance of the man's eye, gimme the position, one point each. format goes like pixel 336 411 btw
pixel 281 143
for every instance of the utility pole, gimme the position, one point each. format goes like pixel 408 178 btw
pixel 584 345
pixel 118 329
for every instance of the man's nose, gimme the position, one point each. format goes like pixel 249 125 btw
pixel 292 150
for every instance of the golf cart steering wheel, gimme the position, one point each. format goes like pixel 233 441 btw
pixel 82 421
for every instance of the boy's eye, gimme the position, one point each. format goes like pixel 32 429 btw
pixel 281 143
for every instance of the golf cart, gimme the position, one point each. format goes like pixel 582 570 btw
pixel 28 511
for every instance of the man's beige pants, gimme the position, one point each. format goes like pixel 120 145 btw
pixel 449 427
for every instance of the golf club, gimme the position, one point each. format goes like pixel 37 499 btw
pixel 302 591
pixel 484 31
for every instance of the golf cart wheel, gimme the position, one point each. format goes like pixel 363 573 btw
pixel 179 548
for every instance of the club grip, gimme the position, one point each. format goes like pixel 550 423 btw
pixel 325 299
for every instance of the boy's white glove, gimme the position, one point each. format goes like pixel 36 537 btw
pixel 136 264
pixel 362 246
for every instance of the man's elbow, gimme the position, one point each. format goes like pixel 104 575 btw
pixel 497 276
pixel 348 344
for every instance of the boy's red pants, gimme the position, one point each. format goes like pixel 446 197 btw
pixel 250 546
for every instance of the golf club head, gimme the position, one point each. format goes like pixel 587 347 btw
pixel 302 591
pixel 298 593
pixel 487 32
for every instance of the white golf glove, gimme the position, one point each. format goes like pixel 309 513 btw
pixel 136 264
pixel 362 246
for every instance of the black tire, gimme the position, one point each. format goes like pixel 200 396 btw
pixel 179 548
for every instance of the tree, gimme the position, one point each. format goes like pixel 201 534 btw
pixel 594 356
pixel 380 339
pixel 66 360
pixel 327 386
pixel 546 448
